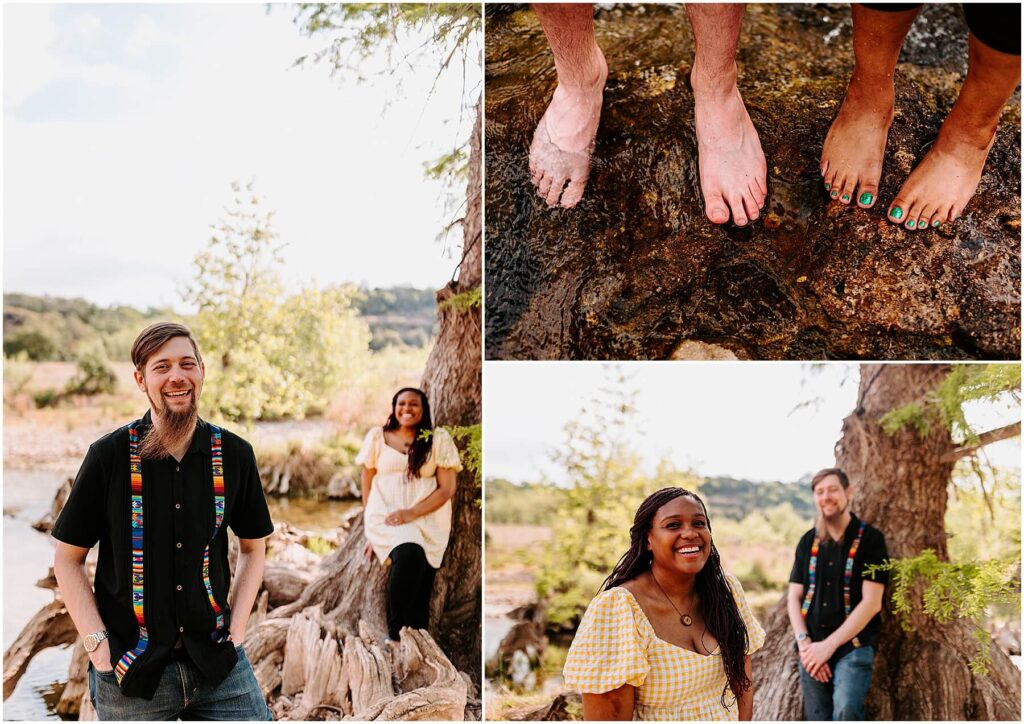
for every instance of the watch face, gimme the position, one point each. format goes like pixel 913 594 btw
pixel 90 643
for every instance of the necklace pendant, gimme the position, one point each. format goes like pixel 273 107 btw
pixel 685 618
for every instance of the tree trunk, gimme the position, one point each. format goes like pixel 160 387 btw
pixel 899 484
pixel 452 382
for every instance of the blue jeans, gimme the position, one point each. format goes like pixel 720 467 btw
pixel 842 698
pixel 182 694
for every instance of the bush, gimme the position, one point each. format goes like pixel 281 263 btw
pixel 38 346
pixel 47 398
pixel 94 377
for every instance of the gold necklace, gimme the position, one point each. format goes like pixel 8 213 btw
pixel 684 618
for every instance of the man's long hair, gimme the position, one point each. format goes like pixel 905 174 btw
pixel 717 604
pixel 419 451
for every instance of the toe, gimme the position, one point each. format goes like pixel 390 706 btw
pixel 757 195
pixel 924 219
pixel 752 208
pixel 716 210
pixel 846 190
pixel 557 184
pixel 898 210
pixel 913 217
pixel 830 179
pixel 942 214
pixel 739 214
pixel 543 184
pixel 573 192
pixel 867 194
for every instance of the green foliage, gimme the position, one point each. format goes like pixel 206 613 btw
pixel 946 591
pixel 945 406
pixel 47 398
pixel 398 316
pixel 470 438
pixel 319 545
pixel 465 301
pixel 95 376
pixel 983 517
pixel 56 328
pixel 737 498
pixel 607 485
pixel 33 343
pixel 526 504
pixel 268 354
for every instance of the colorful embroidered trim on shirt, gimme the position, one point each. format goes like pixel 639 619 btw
pixel 847 577
pixel 138 602
pixel 217 460
pixel 138 569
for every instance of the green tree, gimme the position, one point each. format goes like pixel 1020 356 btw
pixel 94 375
pixel 607 483
pixel 268 354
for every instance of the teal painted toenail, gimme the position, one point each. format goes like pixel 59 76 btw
pixel 846 197
pixel 835 194
pixel 910 224
pixel 866 198
pixel 827 185
pixel 935 223
pixel 896 213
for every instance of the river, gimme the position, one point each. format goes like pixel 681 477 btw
pixel 28 554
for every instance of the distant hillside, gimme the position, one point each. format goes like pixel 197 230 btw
pixel 399 316
pixel 735 499
pixel 536 503
pixel 54 328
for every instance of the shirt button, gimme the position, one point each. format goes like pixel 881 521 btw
pixel 179 546
pixel 179 586
pixel 181 629
pixel 177 468
pixel 177 506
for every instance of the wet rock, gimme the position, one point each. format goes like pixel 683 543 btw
pixel 636 271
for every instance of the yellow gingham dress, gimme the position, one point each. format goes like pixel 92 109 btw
pixel 616 644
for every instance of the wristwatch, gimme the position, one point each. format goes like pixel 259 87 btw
pixel 801 637
pixel 92 641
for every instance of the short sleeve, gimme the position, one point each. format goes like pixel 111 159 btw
pixel 608 650
pixel 368 453
pixel 755 632
pixel 82 519
pixel 446 455
pixel 875 553
pixel 798 574
pixel 250 515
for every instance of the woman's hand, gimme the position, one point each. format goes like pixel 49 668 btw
pixel 400 517
pixel 368 553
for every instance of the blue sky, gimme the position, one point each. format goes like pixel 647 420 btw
pixel 125 125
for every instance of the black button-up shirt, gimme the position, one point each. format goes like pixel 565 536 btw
pixel 826 612
pixel 177 526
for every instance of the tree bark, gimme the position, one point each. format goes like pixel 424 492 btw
pixel 452 381
pixel 898 484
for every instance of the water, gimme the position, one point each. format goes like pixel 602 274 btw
pixel 635 271
pixel 28 554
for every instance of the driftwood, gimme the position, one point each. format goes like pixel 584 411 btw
pixel 51 626
pixel 45 524
pixel 312 660
pixel 557 710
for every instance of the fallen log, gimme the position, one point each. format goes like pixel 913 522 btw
pixel 51 626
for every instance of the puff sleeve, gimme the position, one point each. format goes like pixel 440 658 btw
pixel 446 455
pixel 368 453
pixel 755 632
pixel 608 650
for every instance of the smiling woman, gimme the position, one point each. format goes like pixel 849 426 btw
pixel 670 636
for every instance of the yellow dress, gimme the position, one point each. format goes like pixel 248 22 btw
pixel 616 644
pixel 392 491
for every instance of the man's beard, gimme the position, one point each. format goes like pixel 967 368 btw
pixel 176 428
pixel 825 520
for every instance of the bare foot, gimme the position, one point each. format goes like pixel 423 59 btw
pixel 732 165
pixel 947 177
pixel 564 140
pixel 851 159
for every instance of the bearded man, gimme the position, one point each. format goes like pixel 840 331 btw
pixel 834 605
pixel 163 634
